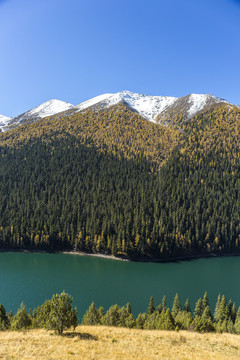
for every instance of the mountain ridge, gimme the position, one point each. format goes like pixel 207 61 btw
pixel 153 108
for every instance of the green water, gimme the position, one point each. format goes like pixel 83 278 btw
pixel 33 278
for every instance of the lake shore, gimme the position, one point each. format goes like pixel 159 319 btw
pixel 125 258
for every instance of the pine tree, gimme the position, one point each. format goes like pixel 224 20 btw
pixel 198 311
pixel 205 301
pixel 112 316
pixel 151 306
pixel 164 302
pixel 207 315
pixel 187 306
pixel 234 313
pixel 217 309
pixel 21 320
pixel 223 309
pixel 168 322
pixel 229 310
pixel 176 306
pixel 237 322
pixel 128 308
pixel 140 321
pixel 91 317
pixel 4 320
pixel 62 315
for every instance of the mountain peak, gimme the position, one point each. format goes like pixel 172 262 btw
pixel 153 108
pixel 48 108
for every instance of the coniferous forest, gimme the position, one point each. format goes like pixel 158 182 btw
pixel 112 182
pixel 58 314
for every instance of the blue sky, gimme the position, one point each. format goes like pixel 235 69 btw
pixel 73 50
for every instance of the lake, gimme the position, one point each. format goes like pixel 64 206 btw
pixel 35 277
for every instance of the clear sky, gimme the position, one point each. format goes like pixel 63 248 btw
pixel 73 50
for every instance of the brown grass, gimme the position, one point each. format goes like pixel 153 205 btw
pixel 94 343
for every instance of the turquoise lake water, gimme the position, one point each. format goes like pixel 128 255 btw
pixel 35 277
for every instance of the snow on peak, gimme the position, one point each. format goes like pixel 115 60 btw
pixel 49 108
pixel 197 102
pixel 92 102
pixel 4 121
pixel 148 106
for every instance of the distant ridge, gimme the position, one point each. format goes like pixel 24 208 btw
pixel 154 108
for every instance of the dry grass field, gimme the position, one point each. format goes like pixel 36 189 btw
pixel 99 342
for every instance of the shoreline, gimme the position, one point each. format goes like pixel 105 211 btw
pixel 124 258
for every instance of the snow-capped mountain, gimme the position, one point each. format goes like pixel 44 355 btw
pixel 188 106
pixel 147 106
pixel 48 108
pixel 161 109
pixel 4 120
pixel 153 107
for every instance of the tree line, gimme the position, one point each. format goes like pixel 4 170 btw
pixel 58 314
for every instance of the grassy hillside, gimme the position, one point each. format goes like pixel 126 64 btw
pixel 99 343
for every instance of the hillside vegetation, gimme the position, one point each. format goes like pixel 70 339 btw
pixel 100 342
pixel 112 182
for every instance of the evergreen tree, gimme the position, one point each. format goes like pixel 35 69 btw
pixel 237 322
pixel 91 316
pixel 21 320
pixel 159 309
pixel 150 322
pixel 198 311
pixel 112 316
pixel 176 306
pixel 205 301
pixel 164 302
pixel 140 321
pixel 4 320
pixel 234 313
pixel 130 321
pixel 207 315
pixel 62 315
pixel 223 309
pixel 229 309
pixel 128 308
pixel 187 306
pixel 217 309
pixel 183 320
pixel 168 321
pixel 151 306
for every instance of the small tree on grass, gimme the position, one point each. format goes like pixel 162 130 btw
pixel 4 320
pixel 21 320
pixel 61 315
pixel 91 316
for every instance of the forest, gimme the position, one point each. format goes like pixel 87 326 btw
pixel 112 182
pixel 58 314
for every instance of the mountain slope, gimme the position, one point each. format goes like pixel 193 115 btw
pixel 110 181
